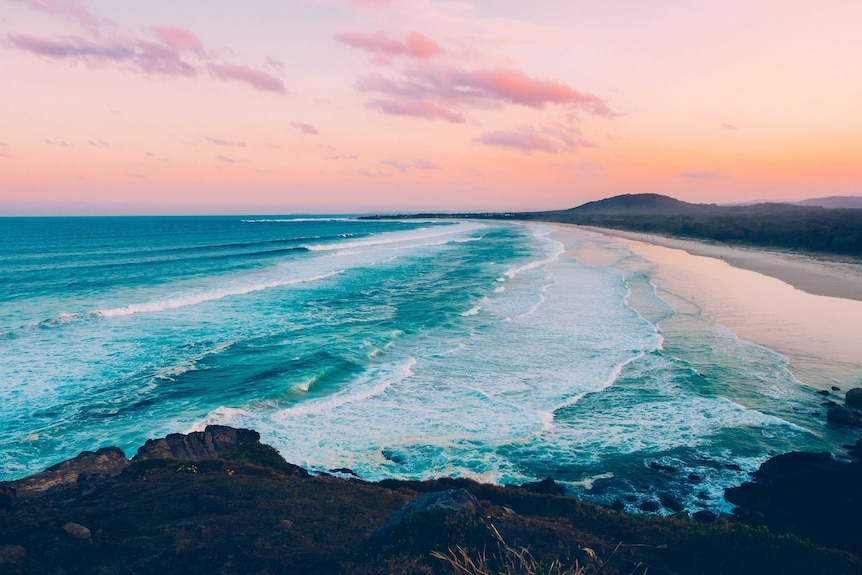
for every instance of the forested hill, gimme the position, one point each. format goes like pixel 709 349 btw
pixel 774 225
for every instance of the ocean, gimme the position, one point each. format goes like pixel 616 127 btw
pixel 397 349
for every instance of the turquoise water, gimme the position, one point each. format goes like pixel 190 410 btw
pixel 397 349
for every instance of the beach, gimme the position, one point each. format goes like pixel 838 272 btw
pixel 806 309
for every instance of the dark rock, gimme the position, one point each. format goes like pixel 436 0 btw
pixel 432 520
pixel 836 388
pixel 345 471
pixel 703 495
pixel 7 497
pixel 105 463
pixel 11 553
pixel 856 450
pixel 732 467
pixel 546 486
pixel 694 478
pixel 853 397
pixel 671 502
pixel 649 506
pixel 841 416
pixel 787 496
pixel 618 505
pixel 77 531
pixel 210 443
pixel 823 392
pixel 704 516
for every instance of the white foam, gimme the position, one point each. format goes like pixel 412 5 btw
pixel 285 220
pixel 390 238
pixel 198 298
pixel 557 249
pixel 340 399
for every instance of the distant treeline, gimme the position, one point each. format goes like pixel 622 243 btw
pixel 795 228
pixel 783 226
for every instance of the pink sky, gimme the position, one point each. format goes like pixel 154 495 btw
pixel 347 106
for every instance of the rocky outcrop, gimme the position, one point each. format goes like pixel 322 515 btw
pixel 839 415
pixel 797 492
pixel 854 397
pixel 83 471
pixel 212 442
pixel 546 486
pixel 78 531
pixel 430 521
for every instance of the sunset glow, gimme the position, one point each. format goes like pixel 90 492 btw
pixel 358 105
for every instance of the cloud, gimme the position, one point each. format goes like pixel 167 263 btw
pixel 305 128
pixel 138 176
pixel 444 93
pixel 226 160
pixel 728 126
pixel 61 143
pixel 98 144
pixel 255 78
pixel 702 175
pixel 417 109
pixel 179 38
pixel 527 140
pixel 4 155
pixel 226 143
pixel 368 174
pixel 68 9
pixel 415 45
pixel 421 164
pixel 370 2
pixel 3 145
pixel 164 50
pixel 400 166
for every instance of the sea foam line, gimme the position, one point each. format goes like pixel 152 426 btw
pixel 195 299
pixel 395 238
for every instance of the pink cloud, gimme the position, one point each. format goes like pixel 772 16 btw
pixel 305 128
pixel 162 56
pixel 728 126
pixel 255 78
pixel 551 140
pixel 226 160
pixel 68 9
pixel 421 164
pixel 178 38
pixel 400 166
pixel 446 92
pixel 370 2
pixel 417 109
pixel 702 175
pixel 415 45
pixel 226 143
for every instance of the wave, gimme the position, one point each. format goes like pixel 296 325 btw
pixel 194 299
pixel 542 299
pixel 389 239
pixel 335 401
pixel 288 220
pixel 555 255
pixel 548 416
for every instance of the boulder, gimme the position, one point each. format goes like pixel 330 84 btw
pixel 671 502
pixel 841 416
pixel 96 466
pixel 11 553
pixel 435 520
pixel 854 397
pixel 210 443
pixel 704 516
pixel 7 497
pixel 546 486
pixel 649 506
pixel 77 531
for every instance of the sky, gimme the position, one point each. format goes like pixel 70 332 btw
pixel 356 106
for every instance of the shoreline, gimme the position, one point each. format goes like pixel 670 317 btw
pixel 808 273
pixel 808 311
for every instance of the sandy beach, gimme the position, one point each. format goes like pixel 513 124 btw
pixel 805 309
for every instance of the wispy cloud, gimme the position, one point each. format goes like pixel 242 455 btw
pixel 226 143
pixel 226 160
pixel 98 144
pixel 138 176
pixel 163 50
pixel 549 139
pixel 420 164
pixel 728 126
pixel 414 45
pixel 255 78
pixel 305 128
pixel 702 175
pixel 369 174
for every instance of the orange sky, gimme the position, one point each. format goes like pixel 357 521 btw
pixel 365 105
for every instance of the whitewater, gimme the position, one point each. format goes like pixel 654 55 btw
pixel 398 349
